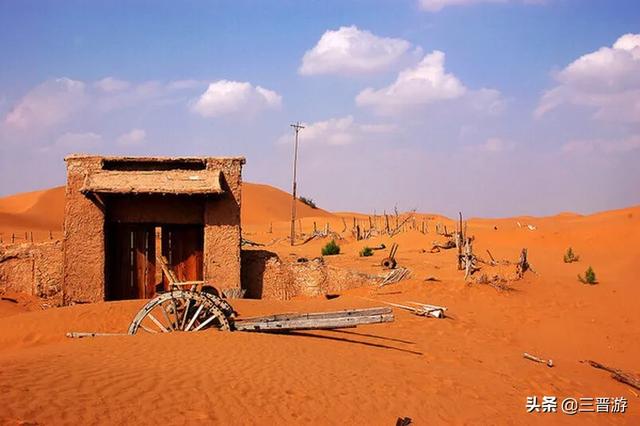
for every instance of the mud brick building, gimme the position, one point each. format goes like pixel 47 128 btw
pixel 123 212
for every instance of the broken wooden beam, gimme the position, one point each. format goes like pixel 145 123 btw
pixel 316 321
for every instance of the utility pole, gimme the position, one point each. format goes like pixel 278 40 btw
pixel 296 127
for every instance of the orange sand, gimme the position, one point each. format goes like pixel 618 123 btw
pixel 464 370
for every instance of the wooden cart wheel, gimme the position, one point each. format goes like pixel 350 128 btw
pixel 179 310
pixel 220 303
pixel 388 263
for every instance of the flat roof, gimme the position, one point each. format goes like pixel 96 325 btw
pixel 186 159
pixel 189 182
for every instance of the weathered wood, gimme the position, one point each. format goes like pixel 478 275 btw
pixel 316 321
pixel 422 309
pixel 616 374
pixel 312 323
pixel 395 276
pixel 80 334
pixel 319 315
pixel 548 362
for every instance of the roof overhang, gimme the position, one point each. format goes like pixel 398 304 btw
pixel 174 182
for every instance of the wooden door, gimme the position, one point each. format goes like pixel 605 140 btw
pixel 131 262
pixel 183 245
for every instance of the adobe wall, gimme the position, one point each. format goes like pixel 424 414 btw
pixel 222 232
pixel 84 269
pixel 266 276
pixel 32 268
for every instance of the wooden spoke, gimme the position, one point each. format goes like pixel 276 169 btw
pixel 213 316
pixel 186 313
pixel 148 330
pixel 194 317
pixel 158 323
pixel 166 317
pixel 182 310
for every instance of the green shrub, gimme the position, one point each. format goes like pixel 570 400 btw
pixel 308 201
pixel 366 252
pixel 331 248
pixel 589 277
pixel 570 256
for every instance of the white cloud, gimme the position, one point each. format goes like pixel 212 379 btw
pixel 338 131
pixel 349 50
pixel 58 101
pixel 602 145
pixel 110 85
pixel 607 81
pixel 227 97
pixel 133 137
pixel 47 104
pixel 425 83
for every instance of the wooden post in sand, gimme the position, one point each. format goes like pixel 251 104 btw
pixel 459 239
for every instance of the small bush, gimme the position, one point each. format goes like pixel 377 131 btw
pixel 589 277
pixel 309 202
pixel 570 256
pixel 331 248
pixel 366 252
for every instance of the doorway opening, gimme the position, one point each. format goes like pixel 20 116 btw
pixel 131 271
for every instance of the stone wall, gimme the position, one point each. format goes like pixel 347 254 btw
pixel 32 268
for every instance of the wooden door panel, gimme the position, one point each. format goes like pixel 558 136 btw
pixel 131 263
pixel 182 245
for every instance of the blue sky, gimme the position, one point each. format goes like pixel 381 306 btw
pixel 495 107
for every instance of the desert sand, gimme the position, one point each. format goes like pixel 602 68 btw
pixel 466 369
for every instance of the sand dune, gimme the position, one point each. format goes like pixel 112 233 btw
pixel 464 370
pixel 42 211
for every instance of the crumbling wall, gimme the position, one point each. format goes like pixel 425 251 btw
pixel 32 268
pixel 266 276
pixel 222 231
pixel 83 273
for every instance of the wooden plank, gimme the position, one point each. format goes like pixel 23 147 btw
pixel 320 315
pixel 312 323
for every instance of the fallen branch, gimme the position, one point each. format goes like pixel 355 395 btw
pixel 422 310
pixel 497 282
pixel 616 374
pixel 449 244
pixel 534 358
